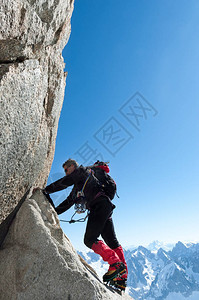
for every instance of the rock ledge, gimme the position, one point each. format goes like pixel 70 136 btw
pixel 37 260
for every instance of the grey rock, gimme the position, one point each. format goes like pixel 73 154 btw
pixel 5 225
pixel 37 260
pixel 32 82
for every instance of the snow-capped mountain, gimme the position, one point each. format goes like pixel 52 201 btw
pixel 154 246
pixel 160 274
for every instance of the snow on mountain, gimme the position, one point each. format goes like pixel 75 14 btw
pixel 178 296
pixel 156 245
pixel 155 273
pixel 131 247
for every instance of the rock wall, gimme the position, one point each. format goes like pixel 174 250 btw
pixel 32 82
pixel 37 261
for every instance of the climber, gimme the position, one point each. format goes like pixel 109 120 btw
pixel 100 214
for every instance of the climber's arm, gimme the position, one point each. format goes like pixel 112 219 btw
pixel 66 204
pixel 59 185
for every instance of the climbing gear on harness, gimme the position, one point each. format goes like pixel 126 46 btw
pixel 80 205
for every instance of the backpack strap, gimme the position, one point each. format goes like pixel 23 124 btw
pixel 81 193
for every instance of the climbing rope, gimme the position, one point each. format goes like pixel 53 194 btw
pixel 74 221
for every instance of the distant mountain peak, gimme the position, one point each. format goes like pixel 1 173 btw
pixel 156 245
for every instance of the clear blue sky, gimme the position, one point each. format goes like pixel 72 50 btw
pixel 117 49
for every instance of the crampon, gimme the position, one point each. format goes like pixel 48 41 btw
pixel 118 284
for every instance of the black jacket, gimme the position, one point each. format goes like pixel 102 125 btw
pixel 77 178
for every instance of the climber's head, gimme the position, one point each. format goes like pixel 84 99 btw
pixel 69 166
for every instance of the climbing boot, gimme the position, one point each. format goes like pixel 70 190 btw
pixel 115 270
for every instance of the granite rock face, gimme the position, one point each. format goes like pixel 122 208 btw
pixel 32 82
pixel 37 260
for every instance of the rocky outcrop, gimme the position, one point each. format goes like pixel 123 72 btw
pixel 37 260
pixel 32 82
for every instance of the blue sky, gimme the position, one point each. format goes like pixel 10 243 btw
pixel 121 55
